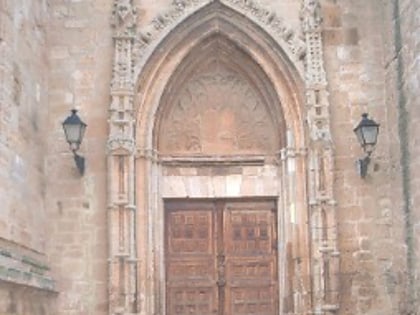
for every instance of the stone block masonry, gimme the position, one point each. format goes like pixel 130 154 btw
pixel 405 61
pixel 26 285
pixel 55 234
pixel 79 54
pixel 23 114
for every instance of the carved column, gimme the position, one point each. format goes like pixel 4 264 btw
pixel 323 222
pixel 121 149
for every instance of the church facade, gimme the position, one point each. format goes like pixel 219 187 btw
pixel 222 174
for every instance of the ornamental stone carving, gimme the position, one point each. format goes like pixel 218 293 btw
pixel 122 258
pixel 148 38
pixel 323 219
pixel 217 112
pixel 311 15
pixel 121 144
pixel 124 17
pixel 315 77
pixel 275 24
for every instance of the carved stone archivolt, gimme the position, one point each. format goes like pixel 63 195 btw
pixel 217 112
pixel 150 36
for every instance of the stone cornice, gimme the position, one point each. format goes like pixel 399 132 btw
pixel 24 270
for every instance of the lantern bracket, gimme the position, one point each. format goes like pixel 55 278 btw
pixel 80 162
pixel 362 166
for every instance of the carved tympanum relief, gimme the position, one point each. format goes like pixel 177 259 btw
pixel 217 112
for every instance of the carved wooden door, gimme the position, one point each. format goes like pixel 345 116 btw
pixel 221 258
pixel 191 274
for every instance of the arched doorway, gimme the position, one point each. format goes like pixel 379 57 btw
pixel 220 120
pixel 216 172
pixel 215 119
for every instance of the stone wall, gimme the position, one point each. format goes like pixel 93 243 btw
pixel 26 285
pixel 370 212
pixel 56 55
pixel 80 55
pixel 404 65
pixel 372 57
pixel 23 112
pixel 18 300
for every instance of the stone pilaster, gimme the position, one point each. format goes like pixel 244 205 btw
pixel 121 144
pixel 325 254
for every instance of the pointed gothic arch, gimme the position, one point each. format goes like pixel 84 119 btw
pixel 218 19
pixel 147 66
pixel 255 58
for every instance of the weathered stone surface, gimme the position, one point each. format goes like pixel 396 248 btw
pixel 217 139
pixel 217 112
pixel 25 301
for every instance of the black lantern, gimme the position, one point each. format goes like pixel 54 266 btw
pixel 367 133
pixel 74 129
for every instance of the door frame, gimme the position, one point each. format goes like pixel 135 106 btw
pixel 155 264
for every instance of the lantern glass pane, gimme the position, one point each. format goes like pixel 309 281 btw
pixel 82 132
pixel 370 134
pixel 359 135
pixel 72 133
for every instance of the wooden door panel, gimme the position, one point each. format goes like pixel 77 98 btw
pixel 191 270
pixel 251 259
pixel 249 233
pixel 221 258
pixel 190 254
pixel 251 300
pixel 250 270
pixel 190 233
pixel 188 300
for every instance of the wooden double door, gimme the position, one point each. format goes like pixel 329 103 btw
pixel 221 257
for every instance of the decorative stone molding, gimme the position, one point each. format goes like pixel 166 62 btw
pixel 24 270
pixel 121 145
pixel 149 37
pixel 272 23
pixel 122 71
pixel 121 150
pixel 124 19
pixel 323 221
pixel 147 154
pixel 310 15
pixel 315 76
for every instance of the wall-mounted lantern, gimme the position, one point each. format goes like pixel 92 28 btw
pixel 367 133
pixel 74 129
